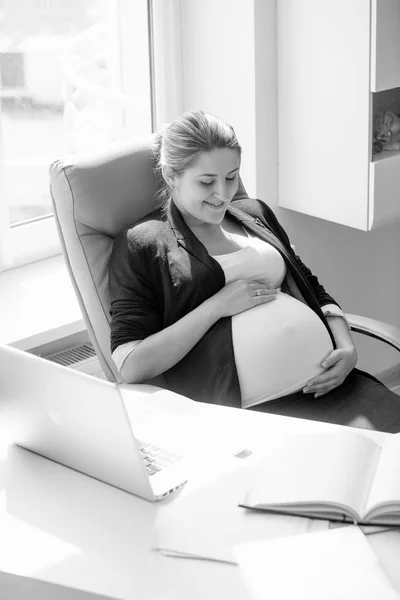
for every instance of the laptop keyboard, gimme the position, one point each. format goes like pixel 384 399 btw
pixel 156 458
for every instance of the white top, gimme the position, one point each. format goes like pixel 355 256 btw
pixel 256 260
pixel 278 346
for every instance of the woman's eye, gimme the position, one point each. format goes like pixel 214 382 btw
pixel 207 183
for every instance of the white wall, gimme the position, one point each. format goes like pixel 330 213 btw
pixel 218 69
pixel 229 50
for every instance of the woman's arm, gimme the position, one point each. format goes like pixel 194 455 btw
pixel 319 291
pixel 164 349
pixel 341 332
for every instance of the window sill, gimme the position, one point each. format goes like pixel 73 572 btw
pixel 38 304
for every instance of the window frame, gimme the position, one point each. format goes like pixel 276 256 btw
pixel 38 239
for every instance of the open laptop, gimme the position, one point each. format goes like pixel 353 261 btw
pixel 81 421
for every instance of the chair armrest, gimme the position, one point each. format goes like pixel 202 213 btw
pixel 376 329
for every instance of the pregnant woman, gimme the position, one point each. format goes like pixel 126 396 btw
pixel 207 292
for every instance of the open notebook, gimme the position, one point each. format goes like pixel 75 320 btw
pixel 340 476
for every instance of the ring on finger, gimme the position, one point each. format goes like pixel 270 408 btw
pixel 258 292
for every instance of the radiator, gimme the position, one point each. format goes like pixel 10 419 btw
pixel 82 358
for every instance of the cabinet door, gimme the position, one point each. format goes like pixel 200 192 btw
pixel 384 205
pixel 324 108
pixel 385 44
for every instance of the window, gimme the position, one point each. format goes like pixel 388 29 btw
pixel 74 74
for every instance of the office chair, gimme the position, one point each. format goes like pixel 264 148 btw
pixel 94 198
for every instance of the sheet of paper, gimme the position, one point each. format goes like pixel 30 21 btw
pixel 208 523
pixel 386 546
pixel 386 487
pixel 331 564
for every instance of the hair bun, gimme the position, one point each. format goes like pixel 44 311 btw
pixel 158 141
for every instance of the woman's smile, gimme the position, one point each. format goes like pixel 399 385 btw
pixel 215 205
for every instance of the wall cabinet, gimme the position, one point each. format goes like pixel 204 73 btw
pixel 336 58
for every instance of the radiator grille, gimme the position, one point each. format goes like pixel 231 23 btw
pixel 72 357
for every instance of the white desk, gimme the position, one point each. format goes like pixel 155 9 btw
pixel 62 526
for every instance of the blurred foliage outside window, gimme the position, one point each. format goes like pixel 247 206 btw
pixel 59 92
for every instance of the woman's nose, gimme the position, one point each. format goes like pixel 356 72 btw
pixel 221 192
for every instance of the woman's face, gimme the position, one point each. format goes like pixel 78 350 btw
pixel 203 192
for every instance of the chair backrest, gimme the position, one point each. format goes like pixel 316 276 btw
pixel 94 198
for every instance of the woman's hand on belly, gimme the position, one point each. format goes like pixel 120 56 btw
pixel 240 295
pixel 337 366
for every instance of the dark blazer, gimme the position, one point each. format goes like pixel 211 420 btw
pixel 160 271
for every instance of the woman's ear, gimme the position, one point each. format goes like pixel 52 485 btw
pixel 169 176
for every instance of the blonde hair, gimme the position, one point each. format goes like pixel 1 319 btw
pixel 178 145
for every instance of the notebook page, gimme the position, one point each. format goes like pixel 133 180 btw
pixel 329 467
pixel 326 565
pixel 386 484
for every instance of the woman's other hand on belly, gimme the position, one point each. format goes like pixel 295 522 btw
pixel 336 367
pixel 240 295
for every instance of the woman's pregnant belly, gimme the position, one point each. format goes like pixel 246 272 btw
pixel 278 347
